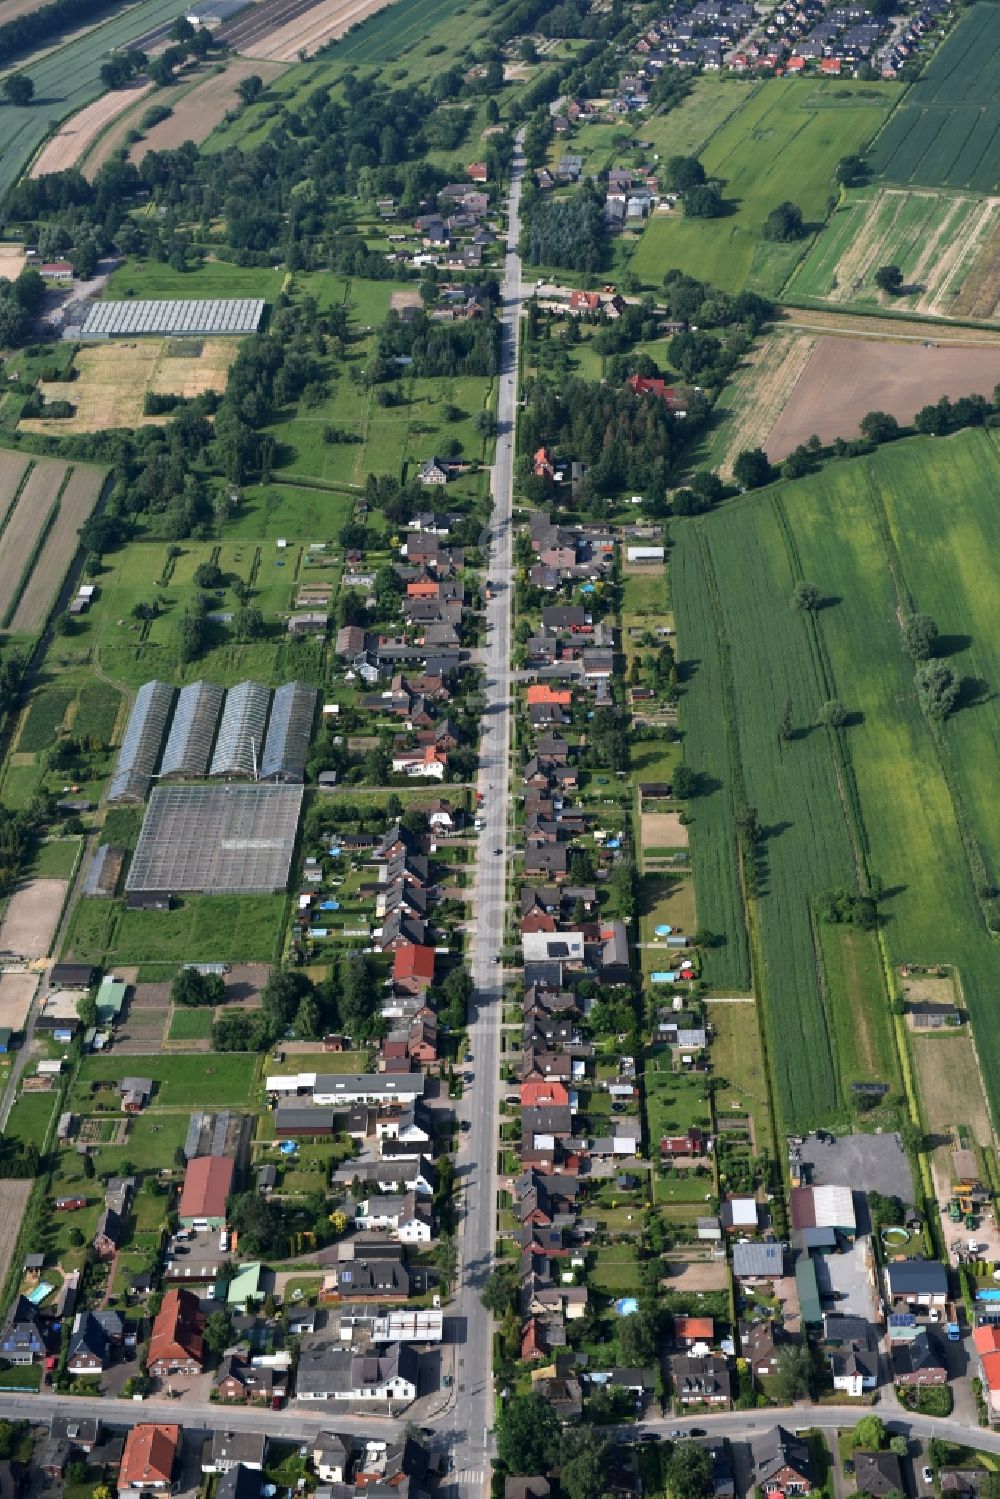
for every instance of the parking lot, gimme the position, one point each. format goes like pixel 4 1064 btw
pixel 865 1163
pixel 846 1278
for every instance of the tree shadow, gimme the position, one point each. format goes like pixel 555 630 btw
pixel 854 719
pixel 829 601
pixel 687 669
pixel 951 645
pixel 775 830
pixel 972 693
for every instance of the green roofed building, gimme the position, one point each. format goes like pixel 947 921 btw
pixel 805 1284
pixel 110 1001
pixel 244 1291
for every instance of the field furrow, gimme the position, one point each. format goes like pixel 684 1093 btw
pixel 60 547
pixel 25 525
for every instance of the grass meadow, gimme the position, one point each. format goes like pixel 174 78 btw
pixel 199 929
pixel 876 537
pixel 784 143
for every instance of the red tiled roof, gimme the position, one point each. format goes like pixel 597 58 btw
pixel 149 1456
pixel 208 1181
pixel 413 961
pixel 177 1330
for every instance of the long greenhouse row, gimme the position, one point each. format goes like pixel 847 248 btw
pixel 245 733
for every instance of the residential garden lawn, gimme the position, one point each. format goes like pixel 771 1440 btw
pixel 615 1270
pixel 646 594
pixel 666 899
pixel 739 1069
pixel 217 1080
pixel 685 129
pixel 21 1377
pixel 684 1187
pixel 20 784
pixel 155 280
pixel 879 537
pixel 654 759
pixel 273 510
pixel 946 131
pixel 190 1025
pixel 783 144
pixel 30 1117
pixel 674 1100
pixel 319 1061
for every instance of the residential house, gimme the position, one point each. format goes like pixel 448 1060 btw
pixel 917 1362
pixel 878 1474
pixel 780 1463
pixel 757 1262
pixel 758 1342
pixel 689 1332
pixel 21 1341
pixel 229 1448
pixel 854 1369
pixel 176 1342
pixel 238 1381
pixel 701 1379
pixel 108 1234
pixel 917 1282
pixel 149 1459
pixel 88 1345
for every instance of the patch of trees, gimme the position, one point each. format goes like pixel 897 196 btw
pixel 347 1001
pixel 937 688
pixel 752 469
pixel 703 201
pixel 945 416
pixel 19 302
pixel 692 301
pixel 18 89
pixel 17 830
pixel 784 223
pixel 121 67
pixel 194 989
pixel 449 349
pixel 566 232
pixel 843 906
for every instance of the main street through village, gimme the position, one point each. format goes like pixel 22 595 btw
pixel 462 1427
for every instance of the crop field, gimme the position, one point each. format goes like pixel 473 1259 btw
pixel 44 718
pixel 845 378
pixel 58 550
pixel 754 398
pixel 950 1093
pixel 313 28
pixel 75 137
pixel 24 526
pixel 734 575
pixel 203 107
pixel 13 1201
pixel 212 278
pixel 68 78
pixel 946 132
pixel 947 247
pixel 113 378
pixel 784 143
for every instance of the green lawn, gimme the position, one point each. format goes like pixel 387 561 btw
pixel 784 143
pixel 215 1080
pixel 54 859
pixel 30 1117
pixel 686 129
pixel 213 278
pixel 200 928
pixel 615 1271
pixel 906 527
pixel 190 1025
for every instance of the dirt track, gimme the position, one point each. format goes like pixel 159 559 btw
pixel 846 378
pixel 861 325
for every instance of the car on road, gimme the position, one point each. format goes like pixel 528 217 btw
pixel 926 1474
pixel 677 1432
pixel 465 1126
pixel 469 1057
pixel 697 1431
pixel 498 851
pixel 649 1436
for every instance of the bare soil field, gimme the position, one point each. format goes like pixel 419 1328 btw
pixel 304 32
pixel 844 379
pixel 399 300
pixel 60 547
pixel 696 1275
pixel 663 830
pixel 77 135
pixel 113 378
pixel 12 261
pixel 759 392
pixel 17 990
pixel 23 527
pixel 12 467
pixel 13 1201
pixel 203 107
pixel 32 915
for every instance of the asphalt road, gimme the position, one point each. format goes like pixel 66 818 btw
pixel 468 1423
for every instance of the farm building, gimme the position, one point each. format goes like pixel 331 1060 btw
pixel 175 319
pixel 241 733
pixel 214 13
pixel 824 1207
pixel 192 732
pixel 216 839
pixel 110 1001
pixel 105 871
pixel 646 555
pixel 208 1181
pixel 72 975
pixel 288 733
pixel 142 743
pixel 292 1120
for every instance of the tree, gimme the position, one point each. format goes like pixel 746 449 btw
pixel 920 633
pixel 889 278
pixel 338 1221
pixel 485 423
pixel 682 173
pixel 806 596
pixel 250 88
pixel 879 426
pixel 870 1434
pixel 785 722
pixel 18 89
pixel 784 223
pixel 218 1332
pixel 849 169
pixel 937 688
pixel 685 783
pixel 501 1289
pixel 752 469
pixel 207 575
pixel 190 635
pixel 703 202
pixel 790 1381
pixel 899 1446
pixel 583 1456
pixel 832 714
pixel 689 1471
pixel 193 989
pixel 527 1434
pixel 638 1340
pixel 248 624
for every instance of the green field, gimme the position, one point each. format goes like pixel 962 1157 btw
pixel 783 144
pixel 211 278
pixel 200 929
pixel 190 1025
pixel 30 1117
pixel 946 132
pixel 66 79
pixel 879 794
pixel 685 129
pixel 221 1079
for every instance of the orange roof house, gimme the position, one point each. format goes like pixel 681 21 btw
pixel 541 692
pixel 150 1457
pixel 584 301
pixel 176 1342
pixel 477 170
pixel 542 464
pixel 540 1092
pixel 208 1182
pixel 427 588
pixel 413 967
pixel 689 1330
pixel 987 1339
